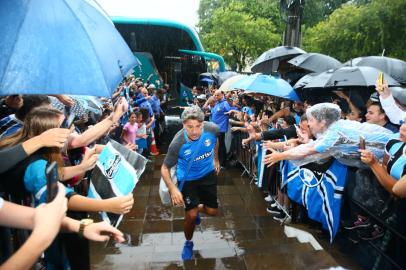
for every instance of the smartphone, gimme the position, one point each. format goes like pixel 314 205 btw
pixel 68 122
pixel 380 81
pixel 380 78
pixel 51 173
pixel 361 143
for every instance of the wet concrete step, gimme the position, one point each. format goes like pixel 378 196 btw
pixel 152 252
pixel 242 236
pixel 267 259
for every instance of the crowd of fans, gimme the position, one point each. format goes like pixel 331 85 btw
pixel 34 133
pixel 312 133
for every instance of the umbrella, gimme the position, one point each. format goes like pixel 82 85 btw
pixel 269 60
pixel 319 80
pixel 399 93
pixel 207 75
pixel 348 77
pixel 305 80
pixel 82 105
pixel 208 80
pixel 60 47
pixel 357 76
pixel 268 85
pixel 223 76
pixel 315 62
pixel 226 85
pixel 394 67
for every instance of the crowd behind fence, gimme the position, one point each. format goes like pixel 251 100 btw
pixel 385 251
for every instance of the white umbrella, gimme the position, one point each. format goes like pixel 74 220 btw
pixel 226 85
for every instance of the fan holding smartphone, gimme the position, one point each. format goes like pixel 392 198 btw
pixel 52 181
pixel 68 122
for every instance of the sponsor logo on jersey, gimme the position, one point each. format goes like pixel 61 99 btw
pixel 188 152
pixel 205 155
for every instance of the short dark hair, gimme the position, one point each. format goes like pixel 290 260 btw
pixel 290 120
pixel 377 104
pixel 31 102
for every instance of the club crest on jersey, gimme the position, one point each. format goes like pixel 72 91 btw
pixel 207 142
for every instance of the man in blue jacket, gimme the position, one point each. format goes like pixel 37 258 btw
pixel 220 116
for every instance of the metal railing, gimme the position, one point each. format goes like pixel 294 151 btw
pixel 245 156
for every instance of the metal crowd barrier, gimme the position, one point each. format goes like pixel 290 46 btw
pixel 246 156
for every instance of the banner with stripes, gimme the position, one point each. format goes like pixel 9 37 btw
pixel 319 188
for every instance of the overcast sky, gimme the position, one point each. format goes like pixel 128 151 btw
pixel 184 11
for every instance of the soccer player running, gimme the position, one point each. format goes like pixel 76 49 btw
pixel 194 150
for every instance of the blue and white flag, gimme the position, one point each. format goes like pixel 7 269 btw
pixel 261 166
pixel 319 189
pixel 117 172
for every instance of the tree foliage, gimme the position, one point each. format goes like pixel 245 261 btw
pixel 319 10
pixel 239 30
pixel 359 30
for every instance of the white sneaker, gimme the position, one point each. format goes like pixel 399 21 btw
pixel 268 198
pixel 274 204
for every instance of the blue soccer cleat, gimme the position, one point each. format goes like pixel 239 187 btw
pixel 187 252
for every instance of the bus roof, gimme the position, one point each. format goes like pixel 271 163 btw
pixel 162 22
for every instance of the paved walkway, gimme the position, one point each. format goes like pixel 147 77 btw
pixel 242 236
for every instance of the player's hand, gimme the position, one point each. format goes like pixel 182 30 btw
pixel 217 166
pixel 177 197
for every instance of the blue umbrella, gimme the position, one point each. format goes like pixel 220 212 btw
pixel 268 85
pixel 208 80
pixel 60 47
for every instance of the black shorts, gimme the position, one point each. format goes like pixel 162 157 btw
pixel 201 191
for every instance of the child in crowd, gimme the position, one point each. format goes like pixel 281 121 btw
pixel 141 135
pixel 130 130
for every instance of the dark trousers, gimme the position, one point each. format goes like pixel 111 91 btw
pixel 222 149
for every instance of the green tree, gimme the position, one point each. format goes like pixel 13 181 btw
pixel 360 30
pixel 239 30
pixel 319 10
pixel 238 36
pixel 267 9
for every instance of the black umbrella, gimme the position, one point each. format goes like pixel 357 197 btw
pixel 348 77
pixel 394 67
pixel 357 76
pixel 399 93
pixel 305 80
pixel 315 62
pixel 319 80
pixel 269 60
pixel 214 77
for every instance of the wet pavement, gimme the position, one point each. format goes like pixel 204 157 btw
pixel 242 236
